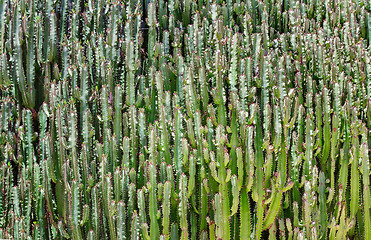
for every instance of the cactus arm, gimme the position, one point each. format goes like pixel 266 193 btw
pixel 366 189
pixel 259 175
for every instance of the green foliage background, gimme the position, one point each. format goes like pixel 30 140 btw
pixel 185 119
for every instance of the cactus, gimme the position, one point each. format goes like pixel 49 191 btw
pixel 366 191
pixel 154 228
pixel 166 209
pixel 183 207
pixel 258 142
pixel 75 211
pixel 210 120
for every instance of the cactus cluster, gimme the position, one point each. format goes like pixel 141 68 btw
pixel 185 119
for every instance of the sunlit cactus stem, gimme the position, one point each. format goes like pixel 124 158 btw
pixel 76 211
pixel 154 228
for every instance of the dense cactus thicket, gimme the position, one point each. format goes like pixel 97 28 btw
pixel 185 119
